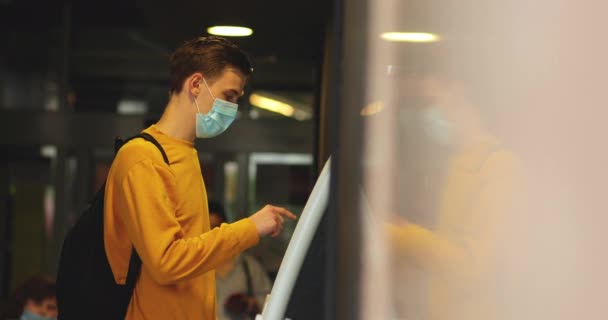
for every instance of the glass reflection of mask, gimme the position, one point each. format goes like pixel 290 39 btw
pixel 436 126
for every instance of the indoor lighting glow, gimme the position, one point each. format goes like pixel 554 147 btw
pixel 372 108
pixel 271 105
pixel 409 37
pixel 48 151
pixel 230 31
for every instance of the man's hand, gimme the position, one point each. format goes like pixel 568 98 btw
pixel 269 220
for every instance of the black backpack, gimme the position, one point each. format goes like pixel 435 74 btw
pixel 85 284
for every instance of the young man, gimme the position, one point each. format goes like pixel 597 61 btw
pixel 162 210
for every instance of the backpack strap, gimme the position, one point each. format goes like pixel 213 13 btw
pixel 133 272
pixel 135 261
pixel 150 138
pixel 118 143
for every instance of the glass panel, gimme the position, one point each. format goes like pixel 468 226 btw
pixel 483 159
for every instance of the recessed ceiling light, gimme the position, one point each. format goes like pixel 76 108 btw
pixel 230 31
pixel 409 37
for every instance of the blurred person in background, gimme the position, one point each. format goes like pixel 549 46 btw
pixel 242 283
pixel 35 299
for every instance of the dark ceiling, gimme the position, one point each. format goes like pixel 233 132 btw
pixel 119 49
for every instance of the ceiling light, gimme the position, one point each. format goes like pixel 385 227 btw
pixel 132 107
pixel 48 151
pixel 230 31
pixel 409 37
pixel 271 105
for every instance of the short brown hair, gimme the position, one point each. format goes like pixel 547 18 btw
pixel 208 55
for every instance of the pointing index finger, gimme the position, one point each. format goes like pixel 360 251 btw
pixel 284 212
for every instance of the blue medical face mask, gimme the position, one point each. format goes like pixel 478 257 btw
pixel 32 316
pixel 219 118
pixel 436 126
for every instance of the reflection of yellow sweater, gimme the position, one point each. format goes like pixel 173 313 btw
pixel 461 253
pixel 163 211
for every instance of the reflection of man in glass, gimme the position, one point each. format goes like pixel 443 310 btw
pixel 459 251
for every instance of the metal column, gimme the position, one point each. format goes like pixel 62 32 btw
pixel 348 160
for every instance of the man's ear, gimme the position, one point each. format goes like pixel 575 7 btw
pixel 193 83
